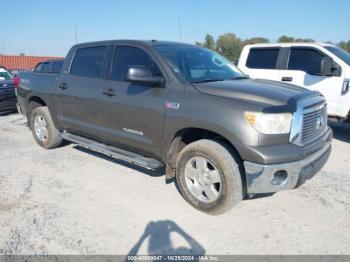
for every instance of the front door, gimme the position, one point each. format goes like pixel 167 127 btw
pixel 303 70
pixel 132 114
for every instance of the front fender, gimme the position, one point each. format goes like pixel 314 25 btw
pixel 222 116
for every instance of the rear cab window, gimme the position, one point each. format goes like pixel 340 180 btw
pixel 88 61
pixel 262 58
pixel 45 67
pixel 56 66
pixel 38 67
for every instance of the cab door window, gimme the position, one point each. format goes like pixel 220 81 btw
pixel 125 56
pixel 304 59
pixel 88 62
pixel 262 58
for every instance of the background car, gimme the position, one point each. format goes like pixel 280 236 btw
pixel 49 66
pixel 315 66
pixel 8 97
pixel 15 72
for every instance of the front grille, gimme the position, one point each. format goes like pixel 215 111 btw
pixel 314 123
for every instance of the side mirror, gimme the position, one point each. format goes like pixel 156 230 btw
pixel 336 69
pixel 142 74
pixel 2 78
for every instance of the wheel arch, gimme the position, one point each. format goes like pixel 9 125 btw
pixel 33 102
pixel 187 135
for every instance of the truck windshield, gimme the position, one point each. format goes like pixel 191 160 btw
pixel 6 75
pixel 343 55
pixel 194 64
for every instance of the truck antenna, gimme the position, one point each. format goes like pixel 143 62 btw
pixel 3 48
pixel 179 24
pixel 75 33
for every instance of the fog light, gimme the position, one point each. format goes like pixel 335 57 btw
pixel 279 177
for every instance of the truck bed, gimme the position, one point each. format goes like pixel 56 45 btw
pixel 44 83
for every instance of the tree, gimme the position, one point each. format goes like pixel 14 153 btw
pixel 285 39
pixel 209 42
pixel 345 45
pixel 230 46
pixel 305 40
pixel 255 40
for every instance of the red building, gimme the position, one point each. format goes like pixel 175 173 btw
pixel 22 62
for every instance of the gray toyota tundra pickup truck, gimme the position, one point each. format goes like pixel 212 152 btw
pixel 161 104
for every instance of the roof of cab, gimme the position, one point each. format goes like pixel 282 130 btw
pixel 125 41
pixel 314 44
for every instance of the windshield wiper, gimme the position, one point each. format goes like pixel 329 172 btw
pixel 239 77
pixel 207 80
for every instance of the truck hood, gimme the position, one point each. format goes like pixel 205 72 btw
pixel 254 90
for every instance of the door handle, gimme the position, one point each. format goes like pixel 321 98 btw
pixel 108 92
pixel 287 79
pixel 63 85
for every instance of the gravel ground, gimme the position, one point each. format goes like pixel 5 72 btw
pixel 73 201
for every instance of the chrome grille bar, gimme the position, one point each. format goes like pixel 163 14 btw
pixel 309 121
pixel 314 123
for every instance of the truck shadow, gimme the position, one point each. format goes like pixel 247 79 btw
pixel 257 196
pixel 150 172
pixel 159 241
pixel 341 131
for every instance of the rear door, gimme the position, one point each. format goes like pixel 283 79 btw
pixel 262 62
pixel 302 69
pixel 79 91
pixel 132 113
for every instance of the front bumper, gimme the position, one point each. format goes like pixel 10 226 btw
pixel 272 178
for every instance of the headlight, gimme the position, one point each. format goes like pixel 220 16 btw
pixel 270 123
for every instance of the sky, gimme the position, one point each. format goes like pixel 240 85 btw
pixel 47 28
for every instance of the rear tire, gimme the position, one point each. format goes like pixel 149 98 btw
pixel 209 177
pixel 44 131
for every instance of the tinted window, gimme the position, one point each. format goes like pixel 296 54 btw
pixel 45 67
pixel 262 58
pixel 38 67
pixel 56 66
pixel 306 60
pixel 88 62
pixel 128 56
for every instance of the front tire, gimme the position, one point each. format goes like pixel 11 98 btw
pixel 209 177
pixel 44 131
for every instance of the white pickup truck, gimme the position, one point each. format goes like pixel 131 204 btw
pixel 315 66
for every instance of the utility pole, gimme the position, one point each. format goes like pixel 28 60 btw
pixel 179 24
